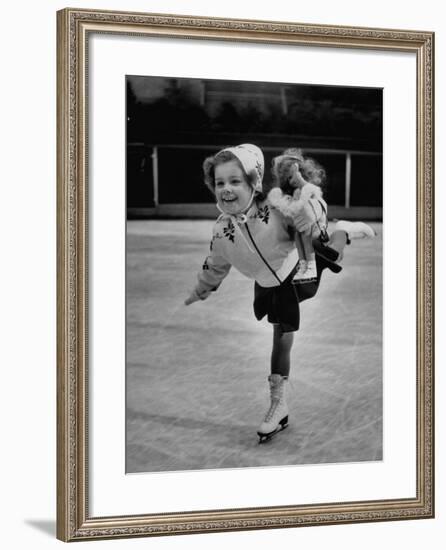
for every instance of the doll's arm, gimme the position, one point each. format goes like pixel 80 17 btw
pixel 304 214
pixel 313 207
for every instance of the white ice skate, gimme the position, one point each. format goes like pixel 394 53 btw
pixel 355 230
pixel 306 272
pixel 276 419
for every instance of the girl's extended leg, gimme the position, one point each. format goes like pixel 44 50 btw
pixel 344 231
pixel 280 356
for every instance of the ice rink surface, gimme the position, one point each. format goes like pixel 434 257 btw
pixel 197 376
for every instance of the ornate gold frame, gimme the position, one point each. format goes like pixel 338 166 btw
pixel 73 520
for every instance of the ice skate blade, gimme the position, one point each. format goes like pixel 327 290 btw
pixel 264 438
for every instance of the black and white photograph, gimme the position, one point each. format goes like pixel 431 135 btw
pixel 254 286
pixel 151 402
pixel 245 274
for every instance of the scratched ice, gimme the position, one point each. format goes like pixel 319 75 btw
pixel 196 376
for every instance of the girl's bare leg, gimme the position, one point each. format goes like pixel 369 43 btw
pixel 338 241
pixel 345 231
pixel 280 356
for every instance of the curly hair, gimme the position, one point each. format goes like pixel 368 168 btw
pixel 210 164
pixel 282 165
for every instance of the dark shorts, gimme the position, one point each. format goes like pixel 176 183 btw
pixel 281 303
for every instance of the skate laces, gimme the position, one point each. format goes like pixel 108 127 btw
pixel 277 395
pixel 272 410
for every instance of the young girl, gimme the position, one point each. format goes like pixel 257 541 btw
pixel 258 240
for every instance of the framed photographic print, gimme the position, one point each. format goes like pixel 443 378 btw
pixel 245 244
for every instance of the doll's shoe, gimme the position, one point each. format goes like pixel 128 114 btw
pixel 355 230
pixel 306 272
pixel 300 271
pixel 301 267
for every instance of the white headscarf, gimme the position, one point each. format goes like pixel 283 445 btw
pixel 251 158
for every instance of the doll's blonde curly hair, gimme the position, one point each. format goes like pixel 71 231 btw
pixel 282 165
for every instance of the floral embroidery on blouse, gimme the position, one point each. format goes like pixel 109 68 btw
pixel 263 214
pixel 229 231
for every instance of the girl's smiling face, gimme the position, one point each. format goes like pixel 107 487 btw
pixel 232 189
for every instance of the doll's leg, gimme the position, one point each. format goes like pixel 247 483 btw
pixel 310 255
pixel 307 242
pixel 302 262
pixel 300 246
pixel 306 270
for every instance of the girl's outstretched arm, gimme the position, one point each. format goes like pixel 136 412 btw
pixel 214 270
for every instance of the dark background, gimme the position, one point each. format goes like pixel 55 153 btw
pixel 182 121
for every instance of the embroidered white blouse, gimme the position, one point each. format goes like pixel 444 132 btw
pixel 261 248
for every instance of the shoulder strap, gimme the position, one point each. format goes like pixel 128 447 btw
pixel 261 255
